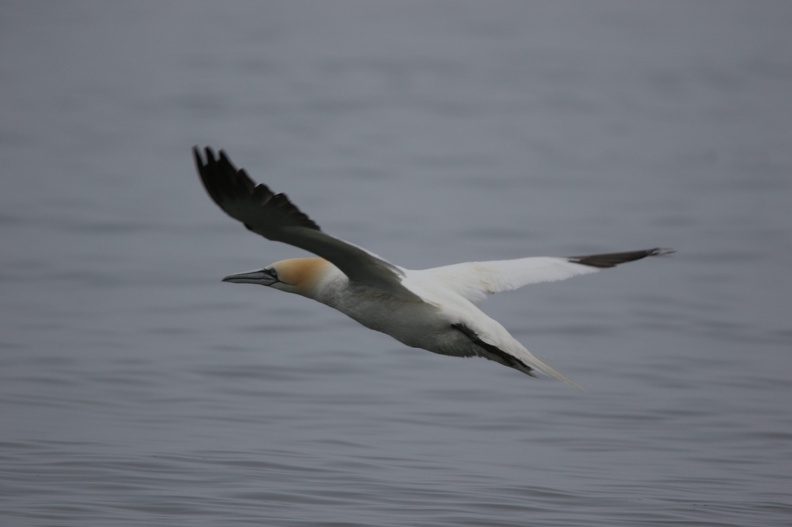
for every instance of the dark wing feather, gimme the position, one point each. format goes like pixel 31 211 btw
pixel 604 261
pixel 276 218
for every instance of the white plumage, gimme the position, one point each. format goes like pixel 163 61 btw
pixel 434 309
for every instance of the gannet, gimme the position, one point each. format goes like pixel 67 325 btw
pixel 433 309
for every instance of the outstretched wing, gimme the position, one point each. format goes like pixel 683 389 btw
pixel 476 280
pixel 276 218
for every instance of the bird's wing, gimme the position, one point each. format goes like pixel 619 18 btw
pixel 276 218
pixel 476 280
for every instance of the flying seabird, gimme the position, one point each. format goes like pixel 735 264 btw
pixel 433 309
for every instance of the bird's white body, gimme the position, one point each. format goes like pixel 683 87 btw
pixel 426 324
pixel 441 317
pixel 433 309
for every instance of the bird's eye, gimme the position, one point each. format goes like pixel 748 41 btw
pixel 272 272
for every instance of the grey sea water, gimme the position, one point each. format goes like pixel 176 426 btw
pixel 136 389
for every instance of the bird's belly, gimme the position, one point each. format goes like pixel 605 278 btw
pixel 416 325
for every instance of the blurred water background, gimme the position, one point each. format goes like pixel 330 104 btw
pixel 136 389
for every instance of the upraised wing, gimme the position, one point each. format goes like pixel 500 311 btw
pixel 476 280
pixel 276 218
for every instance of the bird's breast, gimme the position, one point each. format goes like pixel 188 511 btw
pixel 412 323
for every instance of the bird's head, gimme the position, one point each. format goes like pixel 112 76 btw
pixel 296 275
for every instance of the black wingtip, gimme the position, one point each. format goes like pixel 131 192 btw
pixel 225 159
pixel 207 168
pixel 604 261
pixel 208 153
pixel 226 184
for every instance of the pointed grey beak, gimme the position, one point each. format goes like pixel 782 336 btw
pixel 260 277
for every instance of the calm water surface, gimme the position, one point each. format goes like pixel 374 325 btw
pixel 136 389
